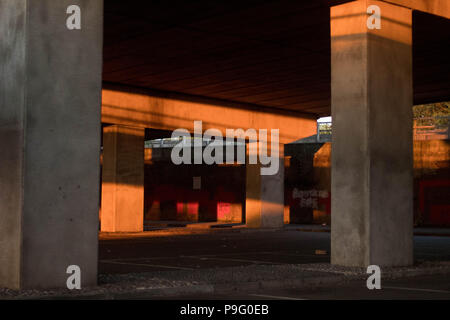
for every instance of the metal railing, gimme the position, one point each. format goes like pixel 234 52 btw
pixel 426 128
pixel 324 130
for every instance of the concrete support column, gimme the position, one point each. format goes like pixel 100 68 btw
pixel 50 92
pixel 264 204
pixel 372 181
pixel 122 207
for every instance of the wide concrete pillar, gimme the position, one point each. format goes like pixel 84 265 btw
pixel 122 207
pixel 264 203
pixel 50 92
pixel 372 181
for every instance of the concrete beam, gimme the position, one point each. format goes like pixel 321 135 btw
pixel 50 91
pixel 144 108
pixel 122 207
pixel 436 7
pixel 372 180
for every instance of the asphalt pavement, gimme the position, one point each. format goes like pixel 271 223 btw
pixel 165 251
pixel 433 287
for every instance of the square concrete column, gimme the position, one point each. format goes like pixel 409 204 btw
pixel 372 98
pixel 264 204
pixel 50 92
pixel 122 207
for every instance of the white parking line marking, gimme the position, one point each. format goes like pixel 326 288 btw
pixel 416 289
pixel 294 254
pixel 239 260
pixel 147 265
pixel 275 297
pixel 205 257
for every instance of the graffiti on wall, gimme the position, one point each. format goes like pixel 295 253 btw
pixel 311 198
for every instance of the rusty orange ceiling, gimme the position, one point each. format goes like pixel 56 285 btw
pixel 269 53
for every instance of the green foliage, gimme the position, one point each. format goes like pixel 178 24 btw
pixel 435 114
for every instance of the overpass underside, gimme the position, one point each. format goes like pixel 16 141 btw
pixel 260 65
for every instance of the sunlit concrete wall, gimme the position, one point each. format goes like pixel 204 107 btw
pixel 437 7
pixel 141 108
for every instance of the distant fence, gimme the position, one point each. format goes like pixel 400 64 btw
pixel 427 128
pixel 431 128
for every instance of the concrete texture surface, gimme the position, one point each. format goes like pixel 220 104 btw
pixel 50 93
pixel 143 108
pixel 437 7
pixel 372 180
pixel 264 205
pixel 122 208
pixel 12 102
